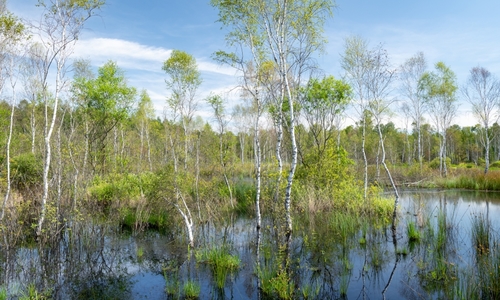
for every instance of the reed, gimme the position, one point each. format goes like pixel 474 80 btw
pixel 221 262
pixel 413 232
pixel 480 233
pixel 192 290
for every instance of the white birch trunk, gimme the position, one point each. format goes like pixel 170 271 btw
pixel 7 154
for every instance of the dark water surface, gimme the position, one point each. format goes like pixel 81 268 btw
pixel 96 261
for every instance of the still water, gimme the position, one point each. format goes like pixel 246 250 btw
pixel 98 261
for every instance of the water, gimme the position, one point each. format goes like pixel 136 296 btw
pixel 97 261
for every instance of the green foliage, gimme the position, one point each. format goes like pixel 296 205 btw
pixel 11 28
pixel 26 171
pixel 434 164
pixel 245 195
pixel 275 282
pixel 106 101
pixel 325 170
pixel 121 188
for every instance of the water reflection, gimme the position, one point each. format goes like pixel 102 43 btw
pixel 94 260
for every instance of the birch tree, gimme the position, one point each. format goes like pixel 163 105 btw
pixel 482 91
pixel 12 35
pixel 145 112
pixel 183 83
pixel 287 33
pixel 58 30
pixel 217 104
pixel 354 62
pixel 440 88
pixel 410 73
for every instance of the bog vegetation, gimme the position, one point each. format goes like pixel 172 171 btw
pixel 92 147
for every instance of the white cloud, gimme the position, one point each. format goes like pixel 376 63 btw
pixel 132 55
pixel 127 54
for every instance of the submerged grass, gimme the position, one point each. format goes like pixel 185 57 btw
pixel 480 233
pixel 436 268
pixel 413 232
pixel 221 262
pixel 191 290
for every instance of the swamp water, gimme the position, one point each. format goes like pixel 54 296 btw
pixel 328 259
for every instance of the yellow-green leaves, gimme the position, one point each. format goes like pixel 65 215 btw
pixel 11 28
pixel 182 67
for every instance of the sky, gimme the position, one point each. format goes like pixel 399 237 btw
pixel 139 37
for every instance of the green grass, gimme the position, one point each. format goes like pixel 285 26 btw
pixel 344 226
pixel 31 293
pixel 413 232
pixel 221 262
pixel 192 290
pixel 245 194
pixel 480 233
pixel 3 293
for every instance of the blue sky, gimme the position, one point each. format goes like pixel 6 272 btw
pixel 139 36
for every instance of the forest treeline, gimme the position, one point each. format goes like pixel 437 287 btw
pixel 90 137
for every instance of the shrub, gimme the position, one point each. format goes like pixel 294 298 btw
pixel 434 164
pixel 26 173
pixel 191 290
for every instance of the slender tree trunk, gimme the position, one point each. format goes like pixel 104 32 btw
pixel 141 147
pixel 33 128
pixel 420 150
pixel 149 150
pixel 185 213
pixel 197 178
pixel 445 168
pixel 59 166
pixel 73 162
pixel 365 160
pixel 293 165
pixel 258 156
pixel 393 184
pixel 186 136
pixel 7 155
pixel 487 150
pixel 278 155
pixel 48 135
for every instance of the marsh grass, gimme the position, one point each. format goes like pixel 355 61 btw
pixel 344 226
pixel 489 273
pixel 276 283
pixel 31 293
pixel 172 283
pixel 221 262
pixel 436 268
pixel 412 232
pixel 480 233
pixel 309 291
pixel 473 179
pixel 191 290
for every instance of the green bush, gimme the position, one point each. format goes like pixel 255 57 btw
pixel 118 187
pixel 434 164
pixel 245 194
pixel 495 164
pixel 26 171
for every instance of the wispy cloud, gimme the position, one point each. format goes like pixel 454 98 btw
pixel 132 55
